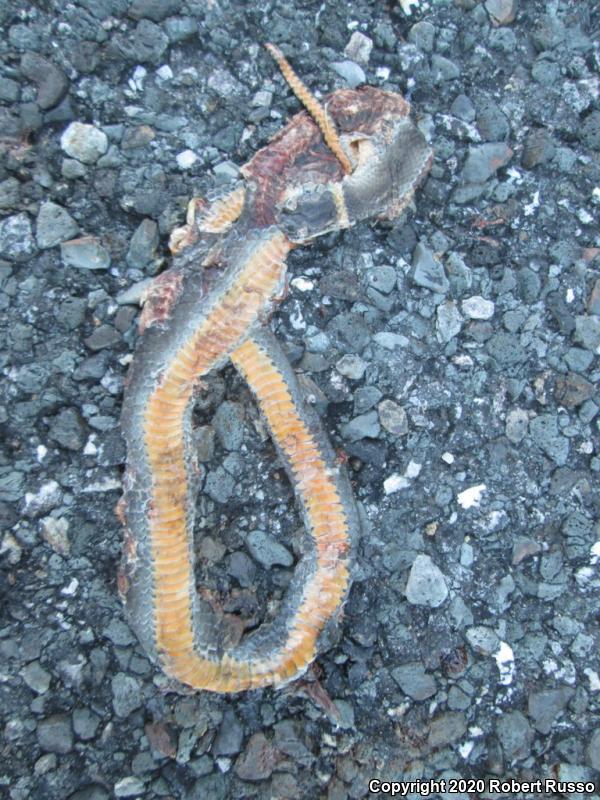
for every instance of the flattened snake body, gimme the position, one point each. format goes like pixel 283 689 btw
pixel 357 156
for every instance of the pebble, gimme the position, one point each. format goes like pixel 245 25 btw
pixel 129 786
pixel 362 427
pixel 443 69
pixel 463 108
pixel 484 160
pixel 515 735
pixel 127 694
pixel 545 706
pixel 16 239
pixel 538 148
pixel 448 321
pixel 544 432
pixel 156 10
pixel 351 72
pixel 55 532
pixel 414 680
pixel 68 429
pixel 51 81
pixel 36 677
pixel 228 423
pixel 144 242
pixel 359 48
pixel 84 142
pixel 502 12
pixel 422 34
pixel 258 760
pixel 85 723
pixel 351 366
pixel 517 423
pixel 365 398
pixel 427 271
pixel 55 734
pixel 483 640
pixel 220 485
pixel 229 738
pixel 426 584
pixel 573 390
pixel 477 307
pixel 54 225
pixel 393 418
pixel 446 729
pixel 84 253
pixel 587 332
pixel 265 549
pixel 382 278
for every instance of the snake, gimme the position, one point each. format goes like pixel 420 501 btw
pixel 356 155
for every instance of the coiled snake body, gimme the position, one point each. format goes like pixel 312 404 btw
pixel 358 156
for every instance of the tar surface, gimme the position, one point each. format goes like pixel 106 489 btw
pixel 452 356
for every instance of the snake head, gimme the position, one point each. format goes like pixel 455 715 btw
pixel 389 155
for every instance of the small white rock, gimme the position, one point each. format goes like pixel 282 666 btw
pixel 471 496
pixel 84 142
pixel 478 307
pixel 186 159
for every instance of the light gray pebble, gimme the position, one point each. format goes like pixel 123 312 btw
pixel 447 728
pixel 463 108
pixel 477 307
pixel 587 332
pixel 220 485
pixel 426 584
pixel 229 738
pixel 84 253
pixel 517 423
pixel 55 734
pixel 16 239
pixel 84 142
pixel 351 366
pixel 85 723
pixel 482 639
pixel 10 192
pixel 351 72
pixel 393 417
pixel 382 278
pixel 359 48
pixel 54 225
pixel 130 786
pixel 444 69
pixel 484 160
pixel 391 341
pixel 448 321
pixel 422 34
pixel 265 549
pixel 365 398
pixel 119 633
pixel 36 677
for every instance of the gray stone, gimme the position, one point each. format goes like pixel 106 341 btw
pixel 84 253
pixel 10 193
pixel 219 485
pixel 477 307
pixel 180 28
pixel 382 278
pixel 482 639
pixel 502 12
pixel 506 350
pixel 51 81
pixel 127 694
pixel 156 10
pixel 428 271
pixel 463 108
pixel 242 568
pixel 54 225
pixel 119 633
pixel 265 549
pixel 11 485
pixel 537 149
pixel 544 707
pixel 103 336
pixel 359 48
pixel 578 359
pixel 443 69
pixel 393 417
pixel 587 332
pixel 504 40
pixel 414 681
pixel 351 366
pixel 68 429
pixel 229 424
pixel 589 132
pixel 85 723
pixel 36 677
pixel 426 584
pixel 55 734
pixel 422 34
pixel 130 786
pixel 593 750
pixel 351 72
pixel 16 240
pixel 448 321
pixel 228 741
pixel 544 432
pixel 447 728
pixel 517 423
pixel 362 427
pixel 84 142
pixel 257 761
pixel 484 160
pixel 515 735
pixel 143 244
pixel 365 398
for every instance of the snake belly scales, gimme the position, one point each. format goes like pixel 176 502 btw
pixel 357 155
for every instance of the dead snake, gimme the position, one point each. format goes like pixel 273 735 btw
pixel 358 155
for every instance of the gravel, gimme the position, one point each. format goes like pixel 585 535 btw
pixel 452 355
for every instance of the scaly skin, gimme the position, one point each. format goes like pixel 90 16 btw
pixel 211 307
